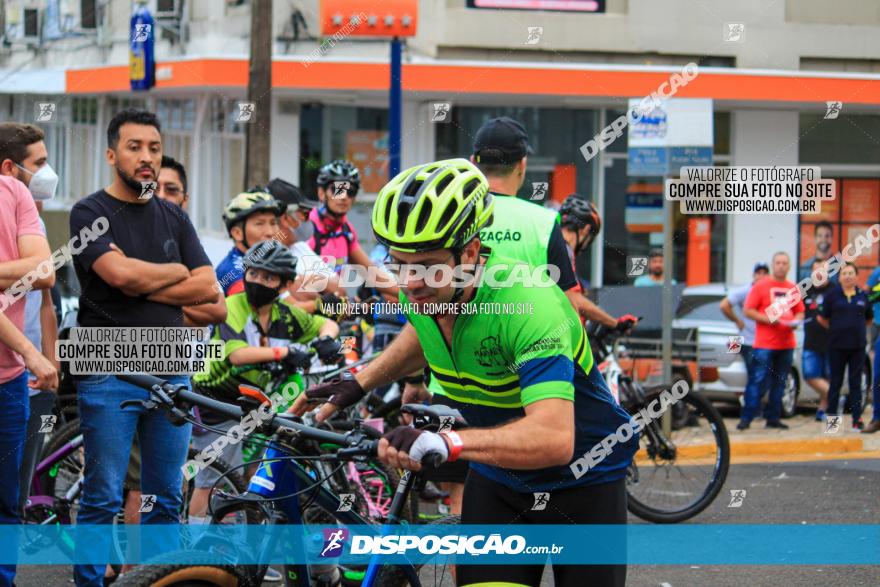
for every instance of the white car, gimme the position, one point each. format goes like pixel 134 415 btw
pixel 699 308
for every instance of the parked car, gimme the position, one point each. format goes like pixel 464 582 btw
pixel 699 308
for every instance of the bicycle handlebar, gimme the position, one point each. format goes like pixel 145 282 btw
pixel 165 394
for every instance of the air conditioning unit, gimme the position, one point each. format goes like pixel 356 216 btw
pixel 168 8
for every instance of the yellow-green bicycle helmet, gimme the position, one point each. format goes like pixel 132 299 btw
pixel 440 205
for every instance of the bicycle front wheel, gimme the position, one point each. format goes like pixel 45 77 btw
pixel 180 575
pixel 439 572
pixel 674 477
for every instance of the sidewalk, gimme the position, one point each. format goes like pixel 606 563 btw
pixel 806 440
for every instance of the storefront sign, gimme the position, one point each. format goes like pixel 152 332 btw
pixel 675 134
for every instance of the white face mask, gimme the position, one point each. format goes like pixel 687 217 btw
pixel 43 182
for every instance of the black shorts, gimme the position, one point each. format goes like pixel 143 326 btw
pixel 491 503
pixel 455 472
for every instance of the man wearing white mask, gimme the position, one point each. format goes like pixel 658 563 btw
pixel 23 248
pixel 40 323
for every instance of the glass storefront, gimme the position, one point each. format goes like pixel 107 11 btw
pixel 633 215
pixel 344 132
pixel 849 140
pixel 856 208
pixel 555 135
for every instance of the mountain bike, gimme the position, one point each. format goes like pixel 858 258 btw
pixel 288 490
pixel 58 479
pixel 678 471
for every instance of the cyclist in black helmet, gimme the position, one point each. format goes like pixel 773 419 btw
pixel 338 185
pixel 581 224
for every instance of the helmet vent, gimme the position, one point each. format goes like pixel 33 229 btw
pixel 470 187
pixel 424 215
pixel 443 183
pixel 448 214
pixel 403 210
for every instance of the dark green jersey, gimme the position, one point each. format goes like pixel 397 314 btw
pixel 514 346
pixel 287 325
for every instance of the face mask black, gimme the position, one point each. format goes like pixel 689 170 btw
pixel 258 294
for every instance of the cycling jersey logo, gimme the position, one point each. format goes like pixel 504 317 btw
pixel 489 353
pixel 500 235
pixel 334 540
pixel 171 251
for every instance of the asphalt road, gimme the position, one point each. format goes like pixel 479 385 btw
pixel 821 492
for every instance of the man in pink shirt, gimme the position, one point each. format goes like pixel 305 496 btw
pixel 774 343
pixel 22 249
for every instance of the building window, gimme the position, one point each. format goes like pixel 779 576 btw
pixel 176 114
pixel 555 135
pixel 850 139
pixel 633 215
pixel 357 134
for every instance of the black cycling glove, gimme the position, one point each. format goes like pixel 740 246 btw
pixel 297 359
pixel 342 391
pixel 626 322
pixel 327 348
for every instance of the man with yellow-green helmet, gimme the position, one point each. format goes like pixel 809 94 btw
pixel 525 382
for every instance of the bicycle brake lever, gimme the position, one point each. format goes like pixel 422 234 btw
pixel 138 402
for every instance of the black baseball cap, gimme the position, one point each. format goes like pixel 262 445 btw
pixel 289 194
pixel 760 266
pixel 502 141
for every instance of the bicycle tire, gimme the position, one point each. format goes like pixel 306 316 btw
pixel 394 576
pixel 234 478
pixel 706 410
pixel 170 574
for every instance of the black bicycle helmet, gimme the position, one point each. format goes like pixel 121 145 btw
pixel 340 170
pixel 578 212
pixel 271 256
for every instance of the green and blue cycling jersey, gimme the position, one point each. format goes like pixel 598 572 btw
pixel 498 363
pixel 287 325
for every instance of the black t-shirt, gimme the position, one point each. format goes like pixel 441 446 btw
pixel 848 316
pixel 557 254
pixel 156 232
pixel 815 335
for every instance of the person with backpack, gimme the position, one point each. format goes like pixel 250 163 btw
pixel 338 185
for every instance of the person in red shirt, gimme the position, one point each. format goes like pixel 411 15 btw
pixel 774 341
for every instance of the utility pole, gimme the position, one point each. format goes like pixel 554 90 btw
pixel 260 95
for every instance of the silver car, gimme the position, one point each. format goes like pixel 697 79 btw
pixel 699 308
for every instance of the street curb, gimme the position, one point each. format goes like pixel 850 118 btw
pixel 800 446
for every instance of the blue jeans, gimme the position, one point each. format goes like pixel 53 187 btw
pixel 770 369
pixel 13 428
pixel 108 432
